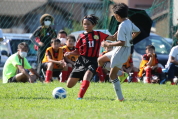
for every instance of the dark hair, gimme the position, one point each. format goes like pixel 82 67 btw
pixel 121 9
pixel 62 31
pixel 71 37
pixel 150 47
pixel 54 40
pixel 22 45
pixel 93 19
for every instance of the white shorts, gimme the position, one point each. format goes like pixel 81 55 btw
pixel 118 56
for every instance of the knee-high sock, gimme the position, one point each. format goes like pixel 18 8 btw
pixel 148 75
pixel 134 79
pixel 117 88
pixel 100 74
pixel 84 86
pixel 159 70
pixel 64 76
pixel 48 75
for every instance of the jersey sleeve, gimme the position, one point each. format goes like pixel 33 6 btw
pixel 78 43
pixel 173 52
pixel 48 54
pixel 121 35
pixel 16 62
pixel 103 36
pixel 36 33
pixel 135 28
pixel 26 64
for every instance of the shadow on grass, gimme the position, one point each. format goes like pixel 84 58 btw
pixel 126 100
pixel 97 98
pixel 35 98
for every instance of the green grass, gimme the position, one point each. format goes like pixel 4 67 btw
pixel 34 101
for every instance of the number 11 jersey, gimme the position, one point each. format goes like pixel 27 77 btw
pixel 89 44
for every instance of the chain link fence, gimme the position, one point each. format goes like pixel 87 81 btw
pixel 20 18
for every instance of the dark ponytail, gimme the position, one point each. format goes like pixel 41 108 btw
pixel 93 19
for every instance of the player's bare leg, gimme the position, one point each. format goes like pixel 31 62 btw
pixel 71 82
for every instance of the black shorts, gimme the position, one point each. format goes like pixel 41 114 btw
pixel 82 65
pixel 12 80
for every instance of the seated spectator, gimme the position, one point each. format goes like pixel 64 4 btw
pixel 15 67
pixel 149 64
pixel 172 64
pixel 53 59
pixel 62 35
pixel 102 73
pixel 70 59
pixel 129 68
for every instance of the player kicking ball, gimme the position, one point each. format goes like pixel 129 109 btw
pixel 87 46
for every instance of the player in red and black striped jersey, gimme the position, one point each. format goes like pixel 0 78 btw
pixel 87 46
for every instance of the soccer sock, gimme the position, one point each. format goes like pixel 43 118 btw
pixel 148 75
pixel 84 86
pixel 104 75
pixel 134 79
pixel 117 88
pixel 48 76
pixel 64 76
pixel 100 74
pixel 159 70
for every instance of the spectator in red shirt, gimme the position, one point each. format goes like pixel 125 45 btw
pixel 87 46
pixel 149 64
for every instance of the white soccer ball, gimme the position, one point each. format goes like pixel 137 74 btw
pixel 175 80
pixel 59 93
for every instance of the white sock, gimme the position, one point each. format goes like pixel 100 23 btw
pixel 117 88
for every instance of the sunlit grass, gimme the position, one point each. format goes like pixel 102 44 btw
pixel 35 101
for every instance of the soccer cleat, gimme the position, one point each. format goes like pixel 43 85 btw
pixel 79 98
pixel 122 78
pixel 121 100
pixel 46 81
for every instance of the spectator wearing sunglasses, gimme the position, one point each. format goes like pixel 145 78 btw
pixel 45 33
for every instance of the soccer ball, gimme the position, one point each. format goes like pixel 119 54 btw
pixel 59 93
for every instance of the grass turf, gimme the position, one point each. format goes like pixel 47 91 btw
pixel 35 101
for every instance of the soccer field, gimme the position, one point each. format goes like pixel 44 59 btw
pixel 35 101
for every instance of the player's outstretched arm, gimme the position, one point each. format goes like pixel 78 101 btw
pixel 118 43
pixel 75 52
pixel 112 38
